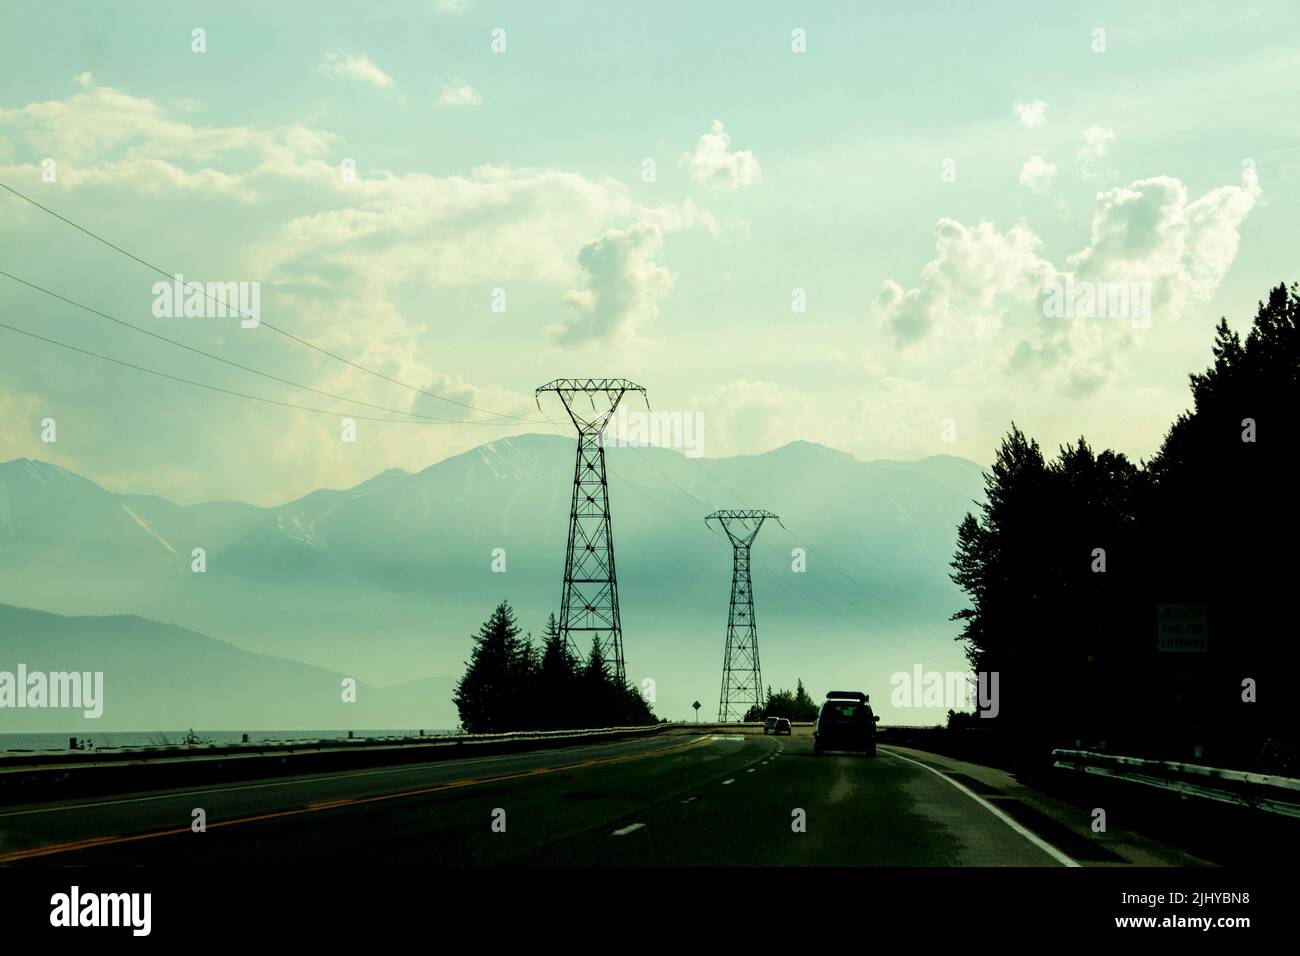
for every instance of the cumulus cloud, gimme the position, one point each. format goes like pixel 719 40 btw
pixel 458 93
pixel 1097 141
pixel 1037 174
pixel 978 273
pixel 1148 231
pixel 713 163
pixel 343 241
pixel 624 288
pixel 987 287
pixel 1032 115
pixel 346 253
pixel 104 136
pixel 354 66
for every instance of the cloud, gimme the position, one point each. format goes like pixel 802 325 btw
pixel 1037 174
pixel 101 136
pixel 458 93
pixel 624 288
pixel 331 243
pixel 1097 141
pixel 346 257
pixel 354 66
pixel 1148 231
pixel 713 164
pixel 1032 115
pixel 744 415
pixel 976 275
pixel 982 295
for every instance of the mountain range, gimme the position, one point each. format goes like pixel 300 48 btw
pixel 388 580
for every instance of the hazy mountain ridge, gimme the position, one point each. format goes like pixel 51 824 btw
pixel 387 580
pixel 156 675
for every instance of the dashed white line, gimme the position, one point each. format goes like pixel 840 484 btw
pixel 628 829
pixel 690 800
pixel 725 782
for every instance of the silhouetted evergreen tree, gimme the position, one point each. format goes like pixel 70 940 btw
pixel 486 695
pixel 599 697
pixel 511 685
pixel 783 703
pixel 557 680
pixel 1076 647
pixel 803 707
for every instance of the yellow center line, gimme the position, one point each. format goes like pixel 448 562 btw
pixel 52 849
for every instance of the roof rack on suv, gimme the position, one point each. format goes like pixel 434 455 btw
pixel 850 694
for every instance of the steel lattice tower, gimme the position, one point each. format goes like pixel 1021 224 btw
pixel 589 602
pixel 742 680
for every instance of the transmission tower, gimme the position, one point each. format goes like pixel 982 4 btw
pixel 742 680
pixel 589 603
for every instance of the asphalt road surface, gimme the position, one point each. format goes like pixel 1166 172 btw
pixel 676 799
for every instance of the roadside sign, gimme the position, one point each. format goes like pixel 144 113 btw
pixel 1182 629
pixel 696 705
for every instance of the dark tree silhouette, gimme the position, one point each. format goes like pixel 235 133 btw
pixel 510 685
pixel 1076 647
pixel 486 695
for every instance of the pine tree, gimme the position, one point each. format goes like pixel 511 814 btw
pixel 598 705
pixel 485 694
pixel 804 707
pixel 557 680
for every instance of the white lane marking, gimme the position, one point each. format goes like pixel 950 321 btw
pixel 750 770
pixel 483 761
pixel 725 782
pixel 1029 835
pixel 628 829
pixel 689 800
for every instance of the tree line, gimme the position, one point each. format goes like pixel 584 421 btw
pixel 793 706
pixel 510 684
pixel 1073 564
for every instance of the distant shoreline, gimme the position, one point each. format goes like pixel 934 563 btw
pixel 103 740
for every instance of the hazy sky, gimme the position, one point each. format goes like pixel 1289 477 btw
pixel 920 171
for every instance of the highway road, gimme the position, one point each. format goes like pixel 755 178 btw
pixel 679 799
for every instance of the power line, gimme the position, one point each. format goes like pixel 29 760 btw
pixel 234 364
pixel 226 391
pixel 783 578
pixel 824 584
pixel 827 561
pixel 272 327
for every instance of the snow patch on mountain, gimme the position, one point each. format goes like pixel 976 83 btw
pixel 146 526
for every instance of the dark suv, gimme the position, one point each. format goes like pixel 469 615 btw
pixel 845 722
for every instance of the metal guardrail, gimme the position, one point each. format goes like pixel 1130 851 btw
pixel 1267 792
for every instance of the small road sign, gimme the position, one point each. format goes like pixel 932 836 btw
pixel 1182 629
